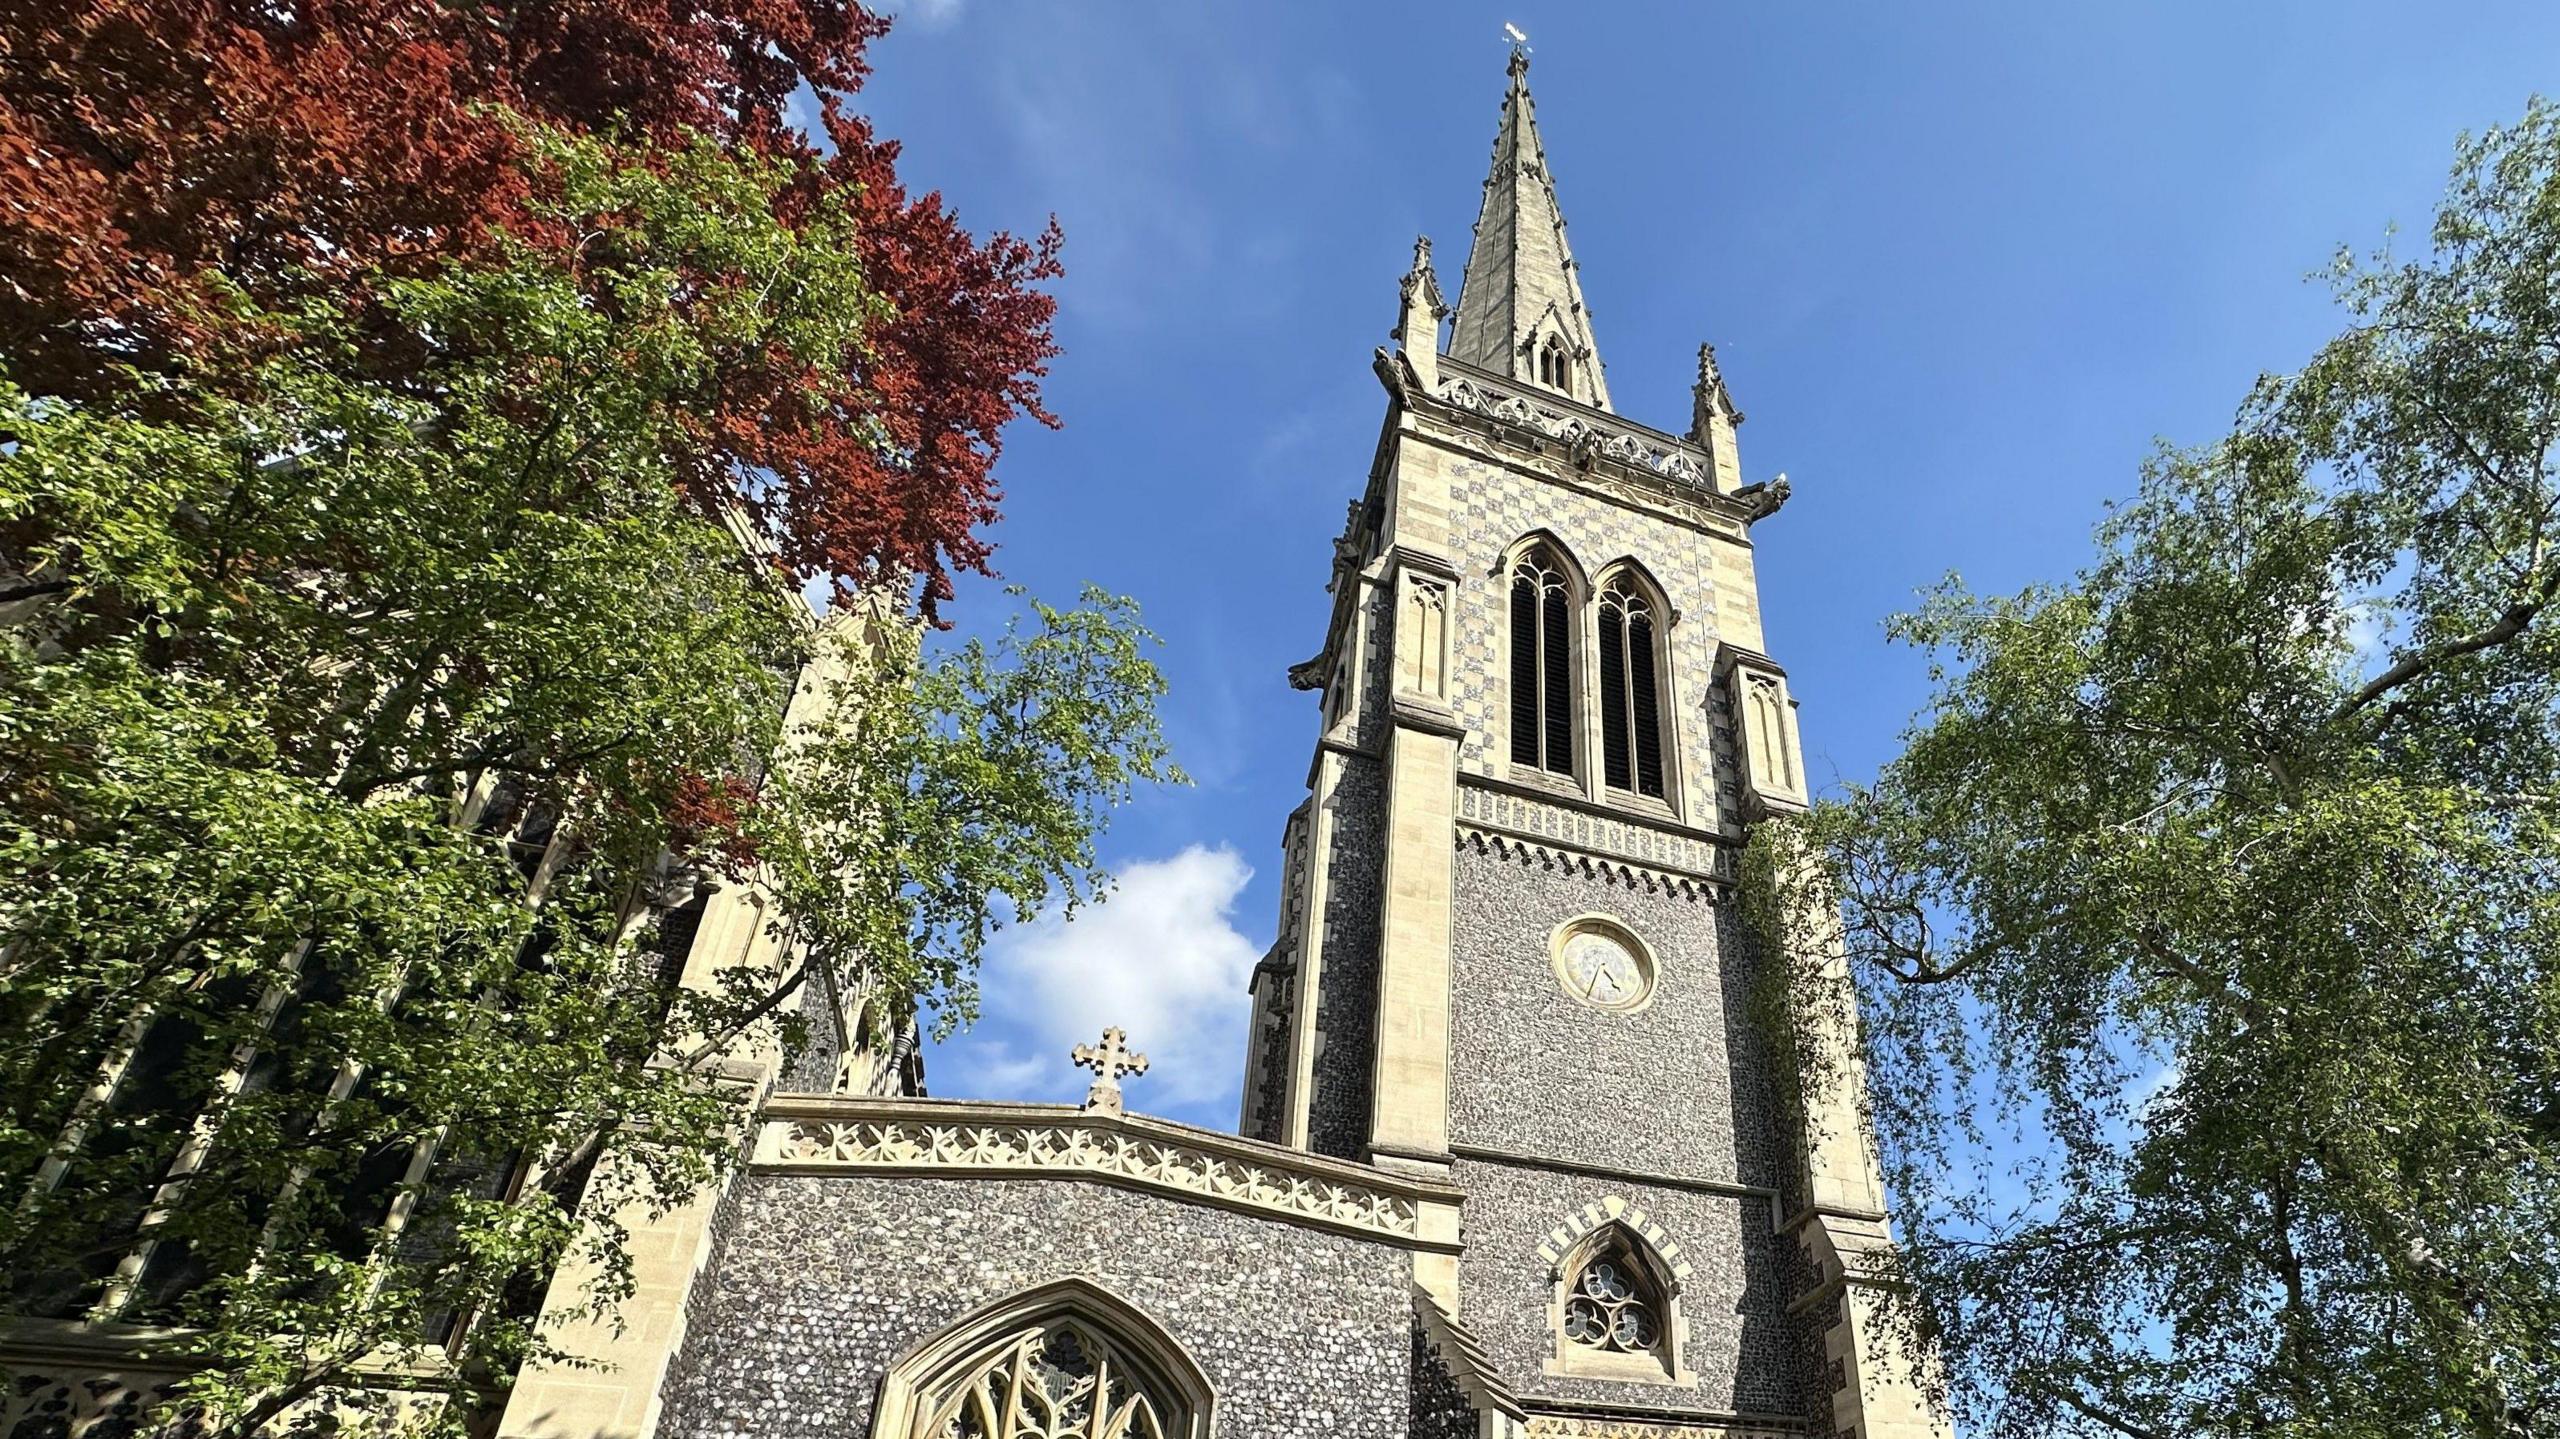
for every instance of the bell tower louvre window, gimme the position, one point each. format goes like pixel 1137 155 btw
pixel 1541 664
pixel 1630 691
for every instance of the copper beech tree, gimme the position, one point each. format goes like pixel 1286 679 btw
pixel 155 154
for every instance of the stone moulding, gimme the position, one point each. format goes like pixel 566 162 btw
pixel 832 1136
pixel 1506 822
pixel 1554 1426
pixel 1587 434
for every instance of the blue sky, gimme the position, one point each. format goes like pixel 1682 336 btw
pixel 1963 264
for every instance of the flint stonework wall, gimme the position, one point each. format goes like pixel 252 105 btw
pixel 1440 1410
pixel 813 1069
pixel 1347 984
pixel 1680 1087
pixel 1745 1354
pixel 819 1284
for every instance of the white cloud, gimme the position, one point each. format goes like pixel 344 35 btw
pixel 2152 1089
pixel 1160 957
pixel 2368 625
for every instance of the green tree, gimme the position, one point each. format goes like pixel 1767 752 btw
pixel 348 710
pixel 2208 923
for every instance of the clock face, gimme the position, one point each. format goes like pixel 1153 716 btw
pixel 1600 969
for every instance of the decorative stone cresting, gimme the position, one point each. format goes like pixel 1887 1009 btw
pixel 1612 1210
pixel 929 1136
pixel 1586 436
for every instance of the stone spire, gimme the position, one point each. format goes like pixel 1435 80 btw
pixel 1521 291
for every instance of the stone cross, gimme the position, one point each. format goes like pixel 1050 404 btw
pixel 1108 1061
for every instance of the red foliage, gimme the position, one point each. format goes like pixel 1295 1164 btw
pixel 149 146
pixel 707 819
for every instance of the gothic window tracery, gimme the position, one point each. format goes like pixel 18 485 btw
pixel 1065 1360
pixel 1058 1380
pixel 1542 717
pixel 1616 1316
pixel 1631 741
pixel 1607 1312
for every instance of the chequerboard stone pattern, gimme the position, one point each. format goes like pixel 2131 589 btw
pixel 1495 505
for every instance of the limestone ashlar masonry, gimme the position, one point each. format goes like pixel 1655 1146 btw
pixel 823 1282
pixel 1747 1355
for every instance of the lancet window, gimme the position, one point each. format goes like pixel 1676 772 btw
pixel 1630 689
pixel 1541 663
pixel 1555 365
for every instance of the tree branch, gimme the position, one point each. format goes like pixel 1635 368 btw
pixel 2509 624
pixel 2116 1422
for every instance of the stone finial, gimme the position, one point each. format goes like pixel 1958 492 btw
pixel 1108 1061
pixel 1417 332
pixel 1420 284
pixel 1712 420
pixel 1710 392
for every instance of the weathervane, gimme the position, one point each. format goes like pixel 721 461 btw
pixel 1518 37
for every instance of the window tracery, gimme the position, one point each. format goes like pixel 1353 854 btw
pixel 1616 1313
pixel 1630 690
pixel 1064 1360
pixel 1058 1380
pixel 1608 1312
pixel 1542 715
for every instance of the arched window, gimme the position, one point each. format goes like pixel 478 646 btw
pixel 1541 663
pixel 1065 1361
pixel 1058 1380
pixel 1617 1313
pixel 1555 366
pixel 1630 689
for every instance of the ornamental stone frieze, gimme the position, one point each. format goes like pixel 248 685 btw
pixel 1506 821
pixel 827 1135
pixel 1586 436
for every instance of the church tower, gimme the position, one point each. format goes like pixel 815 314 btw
pixel 1516 1162
pixel 1510 957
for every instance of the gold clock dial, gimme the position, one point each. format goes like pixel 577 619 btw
pixel 1600 969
